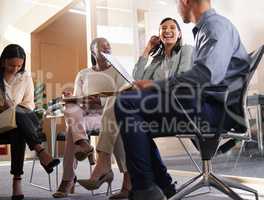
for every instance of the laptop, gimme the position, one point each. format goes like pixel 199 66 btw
pixel 118 67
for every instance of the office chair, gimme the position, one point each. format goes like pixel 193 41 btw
pixel 246 137
pixel 208 142
pixel 49 188
pixel 40 110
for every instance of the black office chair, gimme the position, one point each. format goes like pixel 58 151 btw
pixel 208 142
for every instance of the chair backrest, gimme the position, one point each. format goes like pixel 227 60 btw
pixel 255 60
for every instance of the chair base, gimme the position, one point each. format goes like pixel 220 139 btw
pixel 208 179
pixel 36 185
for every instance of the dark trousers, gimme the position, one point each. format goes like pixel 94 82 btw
pixel 26 132
pixel 147 114
pixel 18 147
pixel 28 125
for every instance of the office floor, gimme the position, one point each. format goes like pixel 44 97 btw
pixel 250 164
pixel 80 193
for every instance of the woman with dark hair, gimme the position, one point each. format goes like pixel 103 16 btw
pixel 16 89
pixel 164 55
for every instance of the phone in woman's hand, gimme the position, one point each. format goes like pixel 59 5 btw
pixel 155 43
pixel 9 103
pixel 6 105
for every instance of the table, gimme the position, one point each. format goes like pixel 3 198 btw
pixel 53 133
pixel 258 101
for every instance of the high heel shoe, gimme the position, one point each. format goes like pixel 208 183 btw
pixel 95 184
pixel 20 196
pixel 64 189
pixel 49 167
pixel 17 197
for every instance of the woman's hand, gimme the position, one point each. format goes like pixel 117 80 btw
pixel 92 102
pixel 67 92
pixel 152 43
pixel 7 104
pixel 92 99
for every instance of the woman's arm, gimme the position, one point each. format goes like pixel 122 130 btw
pixel 139 68
pixel 28 98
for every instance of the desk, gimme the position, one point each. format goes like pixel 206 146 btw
pixel 53 132
pixel 258 101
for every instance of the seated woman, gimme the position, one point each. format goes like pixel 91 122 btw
pixel 16 89
pixel 164 55
pixel 82 117
pixel 168 56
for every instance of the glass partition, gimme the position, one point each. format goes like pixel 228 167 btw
pixel 115 21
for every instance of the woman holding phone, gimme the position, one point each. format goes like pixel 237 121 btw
pixel 164 55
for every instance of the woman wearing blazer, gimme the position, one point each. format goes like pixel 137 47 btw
pixel 164 55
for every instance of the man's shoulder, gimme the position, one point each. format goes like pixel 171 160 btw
pixel 216 17
pixel 216 25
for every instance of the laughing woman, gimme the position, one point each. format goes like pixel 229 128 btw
pixel 164 55
pixel 16 89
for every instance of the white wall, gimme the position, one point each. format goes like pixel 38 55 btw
pixel 18 18
pixel 246 15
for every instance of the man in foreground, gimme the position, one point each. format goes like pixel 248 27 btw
pixel 219 58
